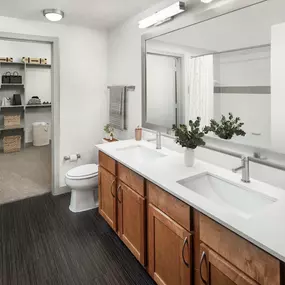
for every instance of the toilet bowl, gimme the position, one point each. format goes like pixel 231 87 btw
pixel 83 182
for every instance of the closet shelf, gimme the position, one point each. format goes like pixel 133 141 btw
pixel 38 106
pixel 26 64
pixel 38 65
pixel 17 127
pixel 12 63
pixel 12 84
pixel 12 107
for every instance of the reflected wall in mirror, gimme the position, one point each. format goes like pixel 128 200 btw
pixel 228 64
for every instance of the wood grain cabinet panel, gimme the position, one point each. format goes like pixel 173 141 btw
pixel 107 197
pixel 249 259
pixel 169 250
pixel 174 208
pixel 107 162
pixel 215 270
pixel 131 220
pixel 132 179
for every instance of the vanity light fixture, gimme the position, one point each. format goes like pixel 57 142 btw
pixel 206 1
pixel 163 16
pixel 53 15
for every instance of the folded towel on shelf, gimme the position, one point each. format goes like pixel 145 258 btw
pixel 118 107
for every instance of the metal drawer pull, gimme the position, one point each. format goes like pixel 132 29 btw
pixel 112 188
pixel 203 257
pixel 183 249
pixel 120 201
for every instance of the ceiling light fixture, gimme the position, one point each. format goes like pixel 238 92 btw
pixel 53 15
pixel 206 1
pixel 163 15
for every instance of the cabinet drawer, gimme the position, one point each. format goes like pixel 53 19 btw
pixel 107 162
pixel 132 179
pixel 174 208
pixel 251 260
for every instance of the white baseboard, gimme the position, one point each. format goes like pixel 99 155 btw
pixel 62 190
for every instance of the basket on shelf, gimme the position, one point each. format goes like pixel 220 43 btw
pixel 12 144
pixel 12 120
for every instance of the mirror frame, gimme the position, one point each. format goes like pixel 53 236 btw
pixel 200 13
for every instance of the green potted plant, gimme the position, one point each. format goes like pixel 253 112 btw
pixel 226 128
pixel 190 138
pixel 109 130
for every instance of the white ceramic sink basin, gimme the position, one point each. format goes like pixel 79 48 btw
pixel 232 197
pixel 141 153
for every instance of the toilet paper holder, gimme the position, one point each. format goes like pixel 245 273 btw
pixel 67 157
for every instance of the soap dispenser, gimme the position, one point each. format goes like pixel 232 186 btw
pixel 138 133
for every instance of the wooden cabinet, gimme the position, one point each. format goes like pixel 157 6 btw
pixel 133 180
pixel 123 206
pixel 169 249
pixel 171 206
pixel 239 253
pixel 132 220
pixel 215 270
pixel 184 247
pixel 107 197
pixel 107 163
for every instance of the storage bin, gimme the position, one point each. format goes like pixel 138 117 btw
pixel 40 134
pixel 6 77
pixel 16 78
pixel 12 120
pixel 12 144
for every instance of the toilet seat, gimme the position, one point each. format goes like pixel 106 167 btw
pixel 83 172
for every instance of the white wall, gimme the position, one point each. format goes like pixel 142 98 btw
pixel 124 67
pixel 83 93
pixel 278 87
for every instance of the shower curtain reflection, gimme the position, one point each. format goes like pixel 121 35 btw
pixel 200 100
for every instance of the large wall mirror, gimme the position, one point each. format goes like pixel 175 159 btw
pixel 234 63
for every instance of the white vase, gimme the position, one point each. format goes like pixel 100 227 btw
pixel 189 157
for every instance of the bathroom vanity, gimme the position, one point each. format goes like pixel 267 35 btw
pixel 178 233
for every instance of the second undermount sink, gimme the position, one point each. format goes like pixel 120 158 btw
pixel 235 198
pixel 141 153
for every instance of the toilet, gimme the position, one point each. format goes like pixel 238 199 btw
pixel 83 182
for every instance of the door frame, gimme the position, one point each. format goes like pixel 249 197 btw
pixel 179 96
pixel 55 97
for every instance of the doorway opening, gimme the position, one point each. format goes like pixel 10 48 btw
pixel 29 91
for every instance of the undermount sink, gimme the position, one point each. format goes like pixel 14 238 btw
pixel 232 197
pixel 141 153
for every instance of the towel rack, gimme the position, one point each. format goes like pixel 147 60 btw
pixel 130 88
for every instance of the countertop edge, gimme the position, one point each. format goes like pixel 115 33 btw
pixel 203 211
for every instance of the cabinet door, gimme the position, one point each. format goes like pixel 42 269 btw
pixel 169 249
pixel 131 220
pixel 215 270
pixel 107 197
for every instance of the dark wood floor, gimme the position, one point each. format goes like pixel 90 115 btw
pixel 42 242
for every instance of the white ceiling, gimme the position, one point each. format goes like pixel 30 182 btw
pixel 89 13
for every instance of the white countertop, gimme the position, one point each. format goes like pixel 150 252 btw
pixel 265 228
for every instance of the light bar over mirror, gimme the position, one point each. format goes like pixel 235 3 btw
pixel 163 15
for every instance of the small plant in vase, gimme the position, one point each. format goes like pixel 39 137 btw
pixel 226 128
pixel 109 130
pixel 190 138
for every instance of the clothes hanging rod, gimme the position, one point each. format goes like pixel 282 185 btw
pixel 130 88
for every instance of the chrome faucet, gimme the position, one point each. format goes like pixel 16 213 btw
pixel 244 168
pixel 158 140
